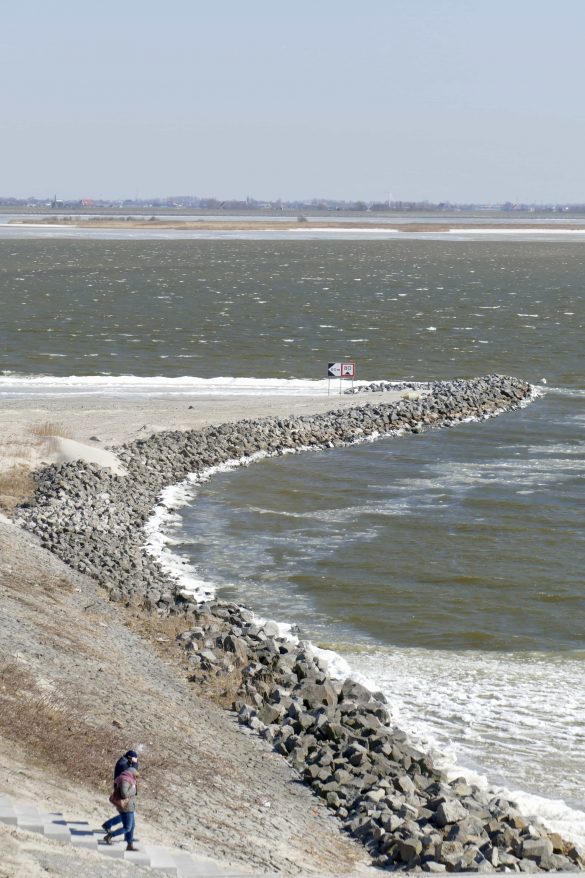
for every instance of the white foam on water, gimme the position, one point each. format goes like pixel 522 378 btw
pixel 576 392
pixel 515 718
pixel 164 521
pixel 14 386
pixel 346 230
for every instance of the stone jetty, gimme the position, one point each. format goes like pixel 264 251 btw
pixel 337 735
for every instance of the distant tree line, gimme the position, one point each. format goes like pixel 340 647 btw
pixel 194 202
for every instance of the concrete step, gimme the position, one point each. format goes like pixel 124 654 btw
pixel 164 861
pixel 8 815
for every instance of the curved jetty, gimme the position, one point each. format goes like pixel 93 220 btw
pixel 336 734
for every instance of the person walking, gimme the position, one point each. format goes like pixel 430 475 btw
pixel 128 760
pixel 124 799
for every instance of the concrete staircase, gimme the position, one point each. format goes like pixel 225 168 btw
pixel 165 861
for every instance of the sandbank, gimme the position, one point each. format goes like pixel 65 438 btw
pixel 292 224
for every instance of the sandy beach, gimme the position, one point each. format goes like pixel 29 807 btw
pixel 104 421
pixel 116 421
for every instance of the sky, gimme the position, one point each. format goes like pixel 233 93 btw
pixel 445 100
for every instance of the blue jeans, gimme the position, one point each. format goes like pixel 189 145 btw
pixel 126 818
pixel 112 822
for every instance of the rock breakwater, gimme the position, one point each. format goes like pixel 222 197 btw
pixel 336 734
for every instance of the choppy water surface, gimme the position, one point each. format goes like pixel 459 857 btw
pixel 446 567
pixel 273 310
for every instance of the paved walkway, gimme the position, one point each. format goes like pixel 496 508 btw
pixel 165 861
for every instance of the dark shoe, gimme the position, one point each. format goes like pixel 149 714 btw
pixel 130 847
pixel 108 838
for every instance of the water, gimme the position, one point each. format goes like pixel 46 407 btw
pixel 446 567
pixel 283 309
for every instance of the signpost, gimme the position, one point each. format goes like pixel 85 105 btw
pixel 341 371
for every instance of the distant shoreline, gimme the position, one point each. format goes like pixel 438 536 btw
pixel 243 225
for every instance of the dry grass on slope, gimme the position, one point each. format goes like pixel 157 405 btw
pixel 49 726
pixel 48 429
pixel 18 457
pixel 16 486
pixel 221 687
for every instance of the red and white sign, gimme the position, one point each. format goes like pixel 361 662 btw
pixel 341 370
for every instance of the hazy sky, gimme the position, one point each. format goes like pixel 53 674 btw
pixel 455 100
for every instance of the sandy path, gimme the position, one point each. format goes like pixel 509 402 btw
pixel 115 421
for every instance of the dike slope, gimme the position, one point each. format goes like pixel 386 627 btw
pixel 82 679
pixel 337 735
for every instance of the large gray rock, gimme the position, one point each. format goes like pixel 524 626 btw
pixel 450 812
pixel 270 713
pixel 236 646
pixel 536 848
pixel 315 694
pixel 409 849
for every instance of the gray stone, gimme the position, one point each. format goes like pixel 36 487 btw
pixel 316 694
pixel 376 795
pixel 536 848
pixel 392 823
pixel 450 812
pixel 270 713
pixel 236 646
pixel 527 866
pixel 209 656
pixel 271 629
pixel 409 849
pixel 355 692
pixel 405 785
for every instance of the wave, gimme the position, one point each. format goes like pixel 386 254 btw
pixel 14 385
pixel 471 723
pixel 576 392
pixel 164 517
